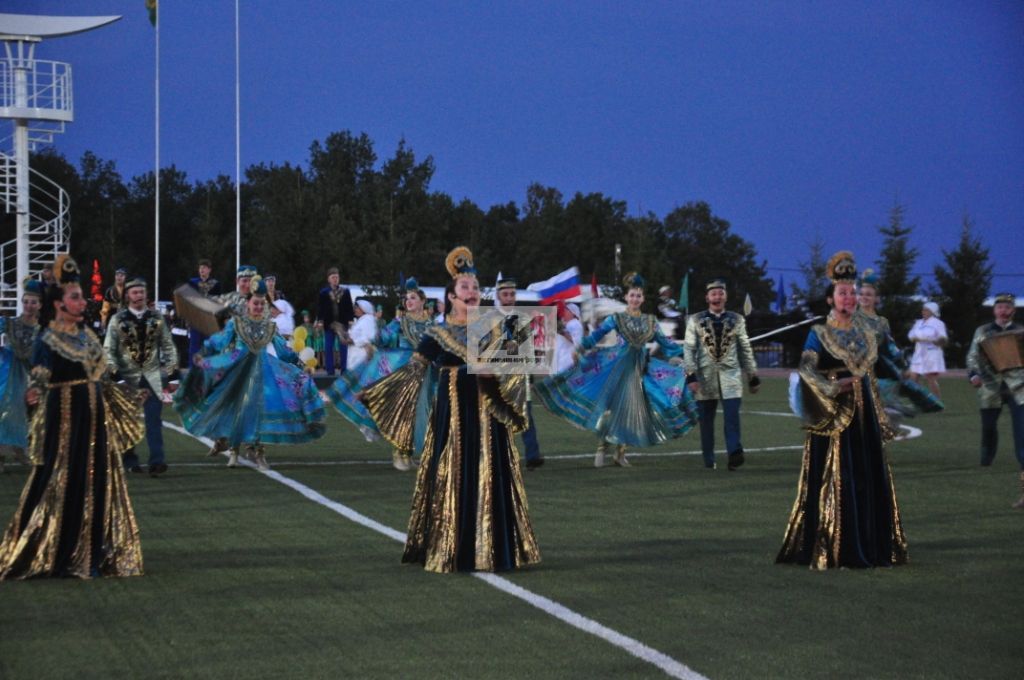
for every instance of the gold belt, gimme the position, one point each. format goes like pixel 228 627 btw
pixel 71 383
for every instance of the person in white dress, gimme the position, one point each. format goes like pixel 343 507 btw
pixel 281 310
pixel 570 335
pixel 929 337
pixel 362 334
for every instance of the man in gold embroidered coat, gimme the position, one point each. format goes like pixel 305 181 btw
pixel 718 360
pixel 140 351
pixel 113 297
pixel 995 387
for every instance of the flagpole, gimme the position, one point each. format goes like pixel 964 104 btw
pixel 156 173
pixel 238 150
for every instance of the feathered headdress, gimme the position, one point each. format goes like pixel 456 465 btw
pixel 65 270
pixel 841 267
pixel 460 263
pixel 257 286
pixel 633 280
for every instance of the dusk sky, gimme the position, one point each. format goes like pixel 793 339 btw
pixel 791 119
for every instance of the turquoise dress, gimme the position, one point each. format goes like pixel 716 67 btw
pixel 241 392
pixel 898 393
pixel 14 368
pixel 621 393
pixel 395 345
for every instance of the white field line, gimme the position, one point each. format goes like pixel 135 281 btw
pixel 638 649
pixel 908 433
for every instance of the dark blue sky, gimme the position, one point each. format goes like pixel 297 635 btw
pixel 792 119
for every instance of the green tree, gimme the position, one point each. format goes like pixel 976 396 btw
pixel 963 283
pixel 695 240
pixel 896 284
pixel 815 284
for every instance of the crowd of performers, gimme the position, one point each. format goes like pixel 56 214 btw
pixel 74 407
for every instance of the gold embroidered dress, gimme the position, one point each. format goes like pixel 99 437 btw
pixel 845 514
pixel 469 510
pixel 75 517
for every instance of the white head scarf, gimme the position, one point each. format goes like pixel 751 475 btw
pixel 932 307
pixel 366 306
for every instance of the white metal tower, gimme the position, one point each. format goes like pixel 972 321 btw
pixel 36 95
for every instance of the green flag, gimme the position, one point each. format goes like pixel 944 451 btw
pixel 683 304
pixel 151 8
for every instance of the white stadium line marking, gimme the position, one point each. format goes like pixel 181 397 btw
pixel 630 645
pixel 909 433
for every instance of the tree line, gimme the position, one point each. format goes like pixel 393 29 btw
pixel 379 219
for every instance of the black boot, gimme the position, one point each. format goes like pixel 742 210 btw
pixel 736 459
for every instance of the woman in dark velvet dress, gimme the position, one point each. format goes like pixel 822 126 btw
pixel 845 514
pixel 469 510
pixel 74 517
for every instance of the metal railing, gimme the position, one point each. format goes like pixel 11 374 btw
pixel 49 228
pixel 48 88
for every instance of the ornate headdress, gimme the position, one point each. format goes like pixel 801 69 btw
pixel 869 278
pixel 245 270
pixel 633 280
pixel 411 284
pixel 31 286
pixel 841 267
pixel 65 270
pixel 460 263
pixel 1006 297
pixel 257 286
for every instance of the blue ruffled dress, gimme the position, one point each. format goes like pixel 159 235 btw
pixel 395 346
pixel 14 368
pixel 242 392
pixel 621 393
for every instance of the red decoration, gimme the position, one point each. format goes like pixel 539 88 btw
pixel 97 282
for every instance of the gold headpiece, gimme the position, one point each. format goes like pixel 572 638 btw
pixel 841 267
pixel 65 270
pixel 633 280
pixel 460 263
pixel 257 285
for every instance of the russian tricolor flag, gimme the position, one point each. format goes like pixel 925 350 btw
pixel 559 287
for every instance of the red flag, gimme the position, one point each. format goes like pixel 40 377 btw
pixel 593 285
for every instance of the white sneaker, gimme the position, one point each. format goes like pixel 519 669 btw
pixel 399 462
pixel 599 458
pixel 232 458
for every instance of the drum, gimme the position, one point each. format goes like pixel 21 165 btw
pixel 1005 351
pixel 200 312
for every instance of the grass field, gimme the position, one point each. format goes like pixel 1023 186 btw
pixel 247 578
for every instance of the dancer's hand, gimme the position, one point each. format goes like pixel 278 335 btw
pixel 32 396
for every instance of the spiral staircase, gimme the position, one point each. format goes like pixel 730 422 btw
pixel 36 96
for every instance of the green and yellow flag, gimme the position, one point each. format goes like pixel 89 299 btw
pixel 151 8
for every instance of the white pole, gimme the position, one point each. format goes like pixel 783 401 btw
pixel 21 64
pixel 156 173
pixel 238 151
